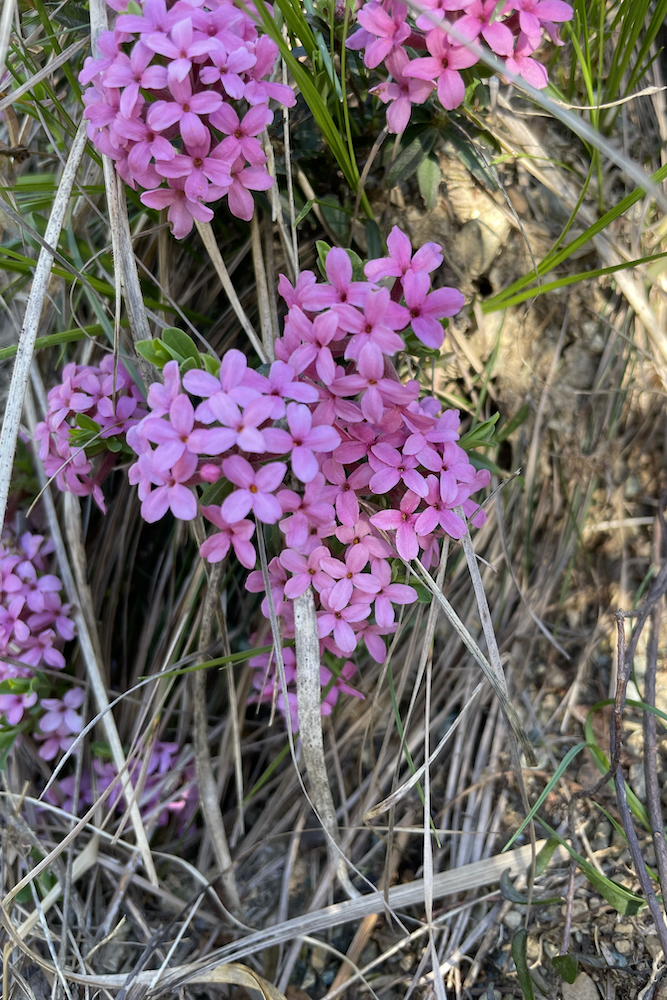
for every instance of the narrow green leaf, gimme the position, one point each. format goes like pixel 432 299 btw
pixel 180 342
pixel 405 165
pixel 519 418
pixel 519 946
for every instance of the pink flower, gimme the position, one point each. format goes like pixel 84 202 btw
pixel 186 109
pixel 362 544
pixel 160 397
pixel 305 571
pixel 391 467
pixel 241 138
pixel 483 17
pixel 255 490
pixel 303 440
pixel 442 67
pixel 226 68
pixel 403 523
pixel 317 336
pixel 523 65
pixel 237 534
pixel 172 494
pixel 176 435
pixel 536 14
pixel 438 514
pixel 279 385
pixel 198 168
pixel 241 428
pixel 426 309
pixel 133 72
pixel 402 93
pixel 349 582
pixel 381 318
pixel 390 31
pixel 341 288
pixel 244 180
pixel 389 593
pixel 61 714
pixel 231 381
pixel 338 622
pixel 376 389
pixel 182 212
pixel 401 259
pixel 180 49
pixel 347 503
pixel 13 706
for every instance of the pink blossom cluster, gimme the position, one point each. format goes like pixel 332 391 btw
pixel 33 625
pixel 165 788
pixel 179 94
pixel 112 401
pixel 327 443
pixel 512 30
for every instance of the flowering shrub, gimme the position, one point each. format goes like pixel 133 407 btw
pixel 33 625
pixel 389 35
pixel 180 95
pixel 357 472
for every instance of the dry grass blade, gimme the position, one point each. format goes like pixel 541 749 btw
pixel 8 11
pixel 21 372
pixel 392 800
pixel 82 863
pixel 496 683
pixel 309 697
pixel 213 250
pixel 464 879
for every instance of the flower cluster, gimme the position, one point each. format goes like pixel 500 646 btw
pixel 103 405
pixel 33 624
pixel 512 30
pixel 180 94
pixel 165 788
pixel 327 443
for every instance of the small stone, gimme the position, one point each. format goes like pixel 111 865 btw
pixel 319 959
pixel 623 928
pixel 653 946
pixel 513 920
pixel 623 946
pixel 532 948
pixel 407 962
pixel 594 904
pixel 579 908
pixel 583 988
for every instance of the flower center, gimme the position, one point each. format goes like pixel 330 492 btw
pixel 312 572
pixel 238 134
pixel 414 313
pixel 253 489
pixel 197 162
pixel 372 381
pixel 369 328
pixel 186 108
pixel 356 541
pixel 349 576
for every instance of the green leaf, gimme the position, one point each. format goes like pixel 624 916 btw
pixel 405 165
pixel 623 901
pixel 114 445
pixel 147 350
pixel 322 251
pixel 211 364
pixel 424 595
pixel 373 240
pixel 480 434
pixel 304 211
pixel 545 856
pixel 560 770
pixel 415 347
pixel 519 418
pixel 514 896
pixel 357 265
pixel 519 945
pixel 428 178
pixel 180 342
pixel 567 966
pixel 87 424
pixel 215 493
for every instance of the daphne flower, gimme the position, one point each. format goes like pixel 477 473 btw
pixel 237 535
pixel 302 440
pixel 186 109
pixel 401 259
pixel 255 490
pixel 442 67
